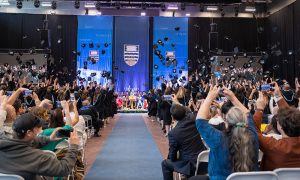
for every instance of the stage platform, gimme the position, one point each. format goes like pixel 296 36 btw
pixel 132 110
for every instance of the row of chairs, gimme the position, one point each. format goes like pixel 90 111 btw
pixel 61 145
pixel 277 174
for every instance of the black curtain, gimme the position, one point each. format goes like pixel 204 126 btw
pixel 283 36
pixel 64 28
pixel 232 32
pixel 19 31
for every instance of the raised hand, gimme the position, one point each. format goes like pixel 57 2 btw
pixel 260 102
pixel 74 138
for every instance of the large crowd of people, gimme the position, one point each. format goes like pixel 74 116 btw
pixel 39 119
pixel 233 119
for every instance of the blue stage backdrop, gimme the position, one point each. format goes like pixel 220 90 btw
pixel 95 46
pixel 131 53
pixel 170 53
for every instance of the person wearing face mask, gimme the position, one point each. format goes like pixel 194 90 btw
pixel 20 155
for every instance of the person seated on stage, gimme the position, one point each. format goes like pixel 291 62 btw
pixel 139 102
pixel 285 152
pixel 184 139
pixel 20 156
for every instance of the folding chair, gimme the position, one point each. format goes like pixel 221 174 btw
pixel 260 175
pixel 288 173
pixel 89 124
pixel 62 144
pixel 260 155
pixel 10 177
pixel 202 157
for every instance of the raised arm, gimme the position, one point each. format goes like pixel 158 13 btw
pixel 76 117
pixel 11 100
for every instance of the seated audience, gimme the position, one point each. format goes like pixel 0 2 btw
pixel 19 155
pixel 185 140
pixel 236 149
pixel 285 152
pixel 57 120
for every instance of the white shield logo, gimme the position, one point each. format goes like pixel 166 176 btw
pixel 131 54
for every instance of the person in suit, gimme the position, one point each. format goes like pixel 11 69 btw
pixel 184 138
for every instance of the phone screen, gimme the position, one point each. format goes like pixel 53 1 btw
pixel 72 97
pixel 167 97
pixel 9 93
pixel 64 133
pixel 28 92
pixel 265 87
pixel 58 104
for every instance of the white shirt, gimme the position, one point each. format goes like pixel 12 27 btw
pixel 216 120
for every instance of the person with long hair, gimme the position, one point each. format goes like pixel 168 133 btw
pixel 57 120
pixel 181 96
pixel 235 149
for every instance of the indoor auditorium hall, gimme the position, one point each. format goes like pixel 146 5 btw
pixel 149 90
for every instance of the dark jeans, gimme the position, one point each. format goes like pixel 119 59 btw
pixel 167 169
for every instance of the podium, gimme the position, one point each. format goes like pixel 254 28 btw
pixel 132 100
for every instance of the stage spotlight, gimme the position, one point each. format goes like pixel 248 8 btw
pixel 182 7
pixel 53 5
pixel 77 4
pixel 98 5
pixel 290 52
pixel 163 7
pixel 19 4
pixel 36 3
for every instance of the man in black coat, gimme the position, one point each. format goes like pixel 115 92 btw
pixel 184 139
